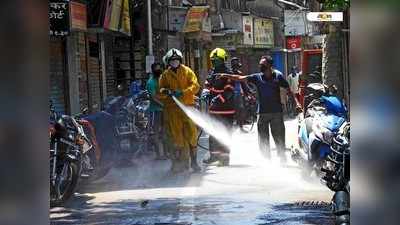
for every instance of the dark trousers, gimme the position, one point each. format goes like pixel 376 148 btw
pixel 275 121
pixel 216 148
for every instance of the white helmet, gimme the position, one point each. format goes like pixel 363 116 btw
pixel 173 53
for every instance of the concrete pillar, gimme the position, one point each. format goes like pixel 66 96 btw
pixel 73 70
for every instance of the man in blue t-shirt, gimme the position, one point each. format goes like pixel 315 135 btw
pixel 268 82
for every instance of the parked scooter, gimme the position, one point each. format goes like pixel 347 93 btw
pixel 324 138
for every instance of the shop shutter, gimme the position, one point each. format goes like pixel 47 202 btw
pixel 57 73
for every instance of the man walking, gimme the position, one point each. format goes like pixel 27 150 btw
pixel 268 82
pixel 293 80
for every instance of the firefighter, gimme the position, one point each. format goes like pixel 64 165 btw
pixel 181 82
pixel 222 104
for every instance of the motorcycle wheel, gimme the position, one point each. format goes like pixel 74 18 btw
pixel 68 187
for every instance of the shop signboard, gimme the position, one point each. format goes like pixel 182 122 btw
pixel 227 41
pixel 125 18
pixel 78 16
pixel 248 38
pixel 295 23
pixel 58 17
pixel 177 16
pixel 293 42
pixel 197 20
pixel 113 15
pixel 263 33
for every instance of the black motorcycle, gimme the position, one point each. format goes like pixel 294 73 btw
pixel 68 147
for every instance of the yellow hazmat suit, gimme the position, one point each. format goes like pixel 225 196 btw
pixel 180 129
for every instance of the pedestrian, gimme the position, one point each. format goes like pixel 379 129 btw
pixel 179 81
pixel 268 83
pixel 293 80
pixel 155 110
pixel 221 106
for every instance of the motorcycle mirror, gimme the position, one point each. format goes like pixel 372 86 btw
pixel 85 110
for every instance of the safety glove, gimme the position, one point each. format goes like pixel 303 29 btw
pixel 177 93
pixel 166 91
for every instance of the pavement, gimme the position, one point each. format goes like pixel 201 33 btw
pixel 251 191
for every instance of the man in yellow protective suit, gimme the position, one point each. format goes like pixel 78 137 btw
pixel 181 82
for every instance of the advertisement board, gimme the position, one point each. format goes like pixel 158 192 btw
pixel 293 42
pixel 197 20
pixel 263 33
pixel 58 18
pixel 177 16
pixel 248 38
pixel 125 18
pixel 78 16
pixel 295 23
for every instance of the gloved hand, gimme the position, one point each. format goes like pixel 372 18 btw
pixel 177 93
pixel 166 91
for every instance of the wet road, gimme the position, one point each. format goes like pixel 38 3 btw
pixel 252 191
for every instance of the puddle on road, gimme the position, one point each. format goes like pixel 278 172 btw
pixel 211 211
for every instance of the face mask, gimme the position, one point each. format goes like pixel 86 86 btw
pixel 174 63
pixel 217 63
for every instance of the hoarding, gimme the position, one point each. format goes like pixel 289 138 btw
pixel 263 33
pixel 78 16
pixel 197 20
pixel 293 42
pixel 295 23
pixel 248 38
pixel 177 16
pixel 58 18
pixel 125 18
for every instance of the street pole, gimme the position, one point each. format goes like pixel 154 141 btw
pixel 150 34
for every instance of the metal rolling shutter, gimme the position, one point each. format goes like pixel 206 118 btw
pixel 57 68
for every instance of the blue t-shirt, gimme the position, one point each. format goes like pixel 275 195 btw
pixel 269 91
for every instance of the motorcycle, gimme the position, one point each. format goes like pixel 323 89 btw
pixel 132 122
pixel 69 146
pixel 324 139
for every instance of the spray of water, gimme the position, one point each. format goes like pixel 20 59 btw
pixel 209 124
pixel 244 149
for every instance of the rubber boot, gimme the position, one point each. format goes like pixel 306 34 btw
pixel 224 159
pixel 193 160
pixel 185 160
pixel 213 158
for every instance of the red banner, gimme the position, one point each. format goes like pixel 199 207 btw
pixel 78 16
pixel 293 42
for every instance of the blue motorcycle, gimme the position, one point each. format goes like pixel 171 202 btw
pixel 324 139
